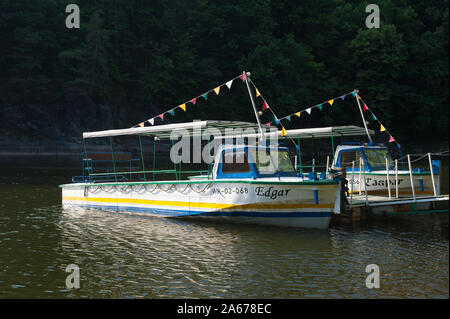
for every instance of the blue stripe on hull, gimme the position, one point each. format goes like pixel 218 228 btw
pixel 181 213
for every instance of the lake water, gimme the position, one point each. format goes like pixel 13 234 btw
pixel 125 256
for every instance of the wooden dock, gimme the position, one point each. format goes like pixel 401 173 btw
pixel 361 207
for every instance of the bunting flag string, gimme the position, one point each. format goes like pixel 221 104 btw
pixel 354 93
pixel 275 118
pixel 374 118
pixel 319 106
pixel 192 101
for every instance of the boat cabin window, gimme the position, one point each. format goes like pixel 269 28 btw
pixel 377 158
pixel 280 162
pixel 235 162
pixel 347 157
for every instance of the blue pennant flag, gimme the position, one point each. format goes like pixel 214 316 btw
pixel 276 120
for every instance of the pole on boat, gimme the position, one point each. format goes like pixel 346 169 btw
pixel 154 157
pixel 362 116
pixel 396 178
pixel 387 177
pixel 432 174
pixel 86 162
pixel 332 143
pixel 300 169
pixel 142 157
pixel 246 75
pixel 326 168
pixel 411 177
pixel 113 160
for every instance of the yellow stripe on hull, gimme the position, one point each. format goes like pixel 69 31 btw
pixel 197 204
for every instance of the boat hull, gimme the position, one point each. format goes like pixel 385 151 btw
pixel 308 205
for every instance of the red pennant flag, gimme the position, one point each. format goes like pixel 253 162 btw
pixel 365 108
pixel 268 124
pixel 161 116
pixel 265 106
pixel 194 100
pixel 391 139
pixel 242 77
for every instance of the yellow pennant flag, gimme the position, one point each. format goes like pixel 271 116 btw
pixel 331 102
pixel 283 131
pixel 183 106
pixel 217 89
pixel 382 128
pixel 141 124
pixel 257 93
pixel 298 114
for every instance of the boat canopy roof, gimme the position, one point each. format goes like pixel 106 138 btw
pixel 319 132
pixel 195 128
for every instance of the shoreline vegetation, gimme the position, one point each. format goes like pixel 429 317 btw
pixel 130 61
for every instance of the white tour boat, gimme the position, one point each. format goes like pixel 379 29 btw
pixel 254 184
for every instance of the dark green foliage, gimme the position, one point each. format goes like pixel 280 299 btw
pixel 136 58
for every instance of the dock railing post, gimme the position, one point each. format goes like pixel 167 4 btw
pixel 432 174
pixel 365 185
pixel 352 183
pixel 387 177
pixel 360 180
pixel 411 178
pixel 396 178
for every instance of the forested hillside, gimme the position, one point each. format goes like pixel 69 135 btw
pixel 132 59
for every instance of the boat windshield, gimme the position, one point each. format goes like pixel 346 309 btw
pixel 280 162
pixel 376 158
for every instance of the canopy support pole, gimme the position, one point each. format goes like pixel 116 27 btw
pixel 142 157
pixel 113 160
pixel 154 157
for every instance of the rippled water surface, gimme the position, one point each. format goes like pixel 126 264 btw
pixel 126 256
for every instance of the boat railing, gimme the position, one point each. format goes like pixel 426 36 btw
pixel 360 175
pixel 121 176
